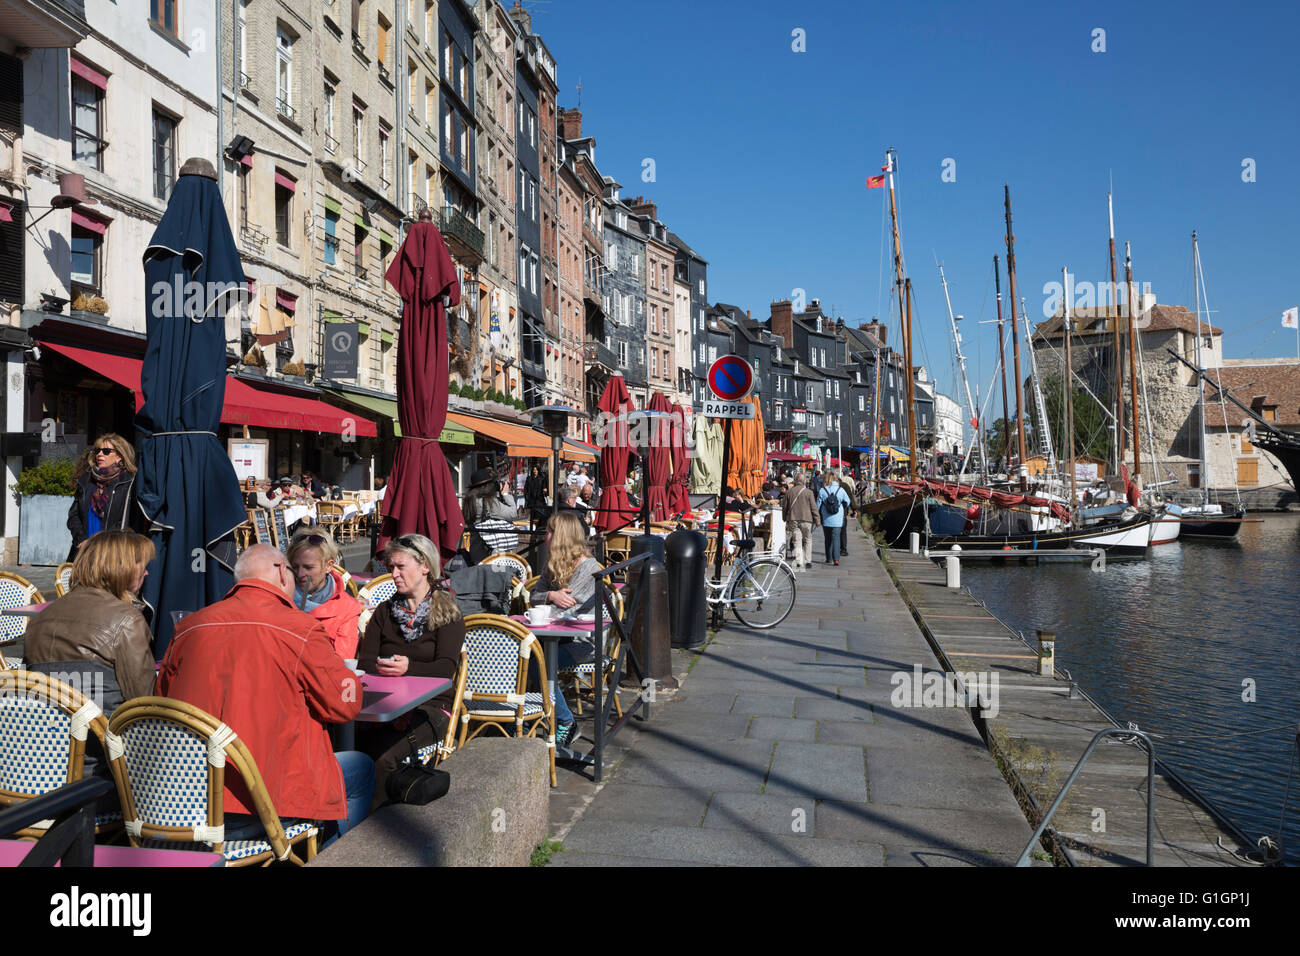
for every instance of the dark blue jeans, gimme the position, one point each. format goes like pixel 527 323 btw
pixel 358 785
pixel 832 543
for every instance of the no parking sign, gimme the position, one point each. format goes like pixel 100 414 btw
pixel 731 378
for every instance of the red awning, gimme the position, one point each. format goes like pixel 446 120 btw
pixel 787 456
pixel 243 405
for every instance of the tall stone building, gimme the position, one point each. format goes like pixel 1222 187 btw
pixel 661 338
pixel 497 333
pixel 541 71
pixel 692 269
pixel 625 291
pixel 571 200
pixel 578 152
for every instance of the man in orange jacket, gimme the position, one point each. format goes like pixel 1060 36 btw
pixel 270 673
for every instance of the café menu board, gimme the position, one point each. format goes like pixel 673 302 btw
pixel 262 526
pixel 281 531
pixel 249 456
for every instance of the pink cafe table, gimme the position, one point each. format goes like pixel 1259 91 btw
pixel 13 852
pixel 384 699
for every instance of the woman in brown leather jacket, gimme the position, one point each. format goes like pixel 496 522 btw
pixel 95 636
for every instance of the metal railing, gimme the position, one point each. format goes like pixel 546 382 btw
pixel 1128 736
pixel 331 143
pixel 244 80
pixel 282 108
pixel 626 656
pixel 71 839
pixel 452 222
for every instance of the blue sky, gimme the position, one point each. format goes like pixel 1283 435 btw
pixel 761 152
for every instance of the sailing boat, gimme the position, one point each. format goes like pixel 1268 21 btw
pixel 1206 519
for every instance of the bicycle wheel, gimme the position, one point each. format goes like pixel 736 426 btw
pixel 762 594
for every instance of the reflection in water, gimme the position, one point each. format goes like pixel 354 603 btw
pixel 1174 643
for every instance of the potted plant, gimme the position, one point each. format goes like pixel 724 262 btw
pixel 44 494
pixel 476 399
pixel 89 306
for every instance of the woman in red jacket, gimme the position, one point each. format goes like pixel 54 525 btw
pixel 418 631
pixel 319 589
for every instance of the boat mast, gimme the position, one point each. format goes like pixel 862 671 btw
pixel 1002 354
pixel 911 392
pixel 1045 439
pixel 961 365
pixel 1119 361
pixel 1069 403
pixel 1200 382
pixel 1015 336
pixel 1133 346
pixel 904 301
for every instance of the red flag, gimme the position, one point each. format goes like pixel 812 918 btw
pixel 875 182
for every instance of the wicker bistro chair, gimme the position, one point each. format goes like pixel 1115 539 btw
pixel 15 591
pixel 63 579
pixel 348 583
pixel 582 677
pixel 518 565
pixel 445 747
pixel 169 763
pixel 376 591
pixel 44 725
pixel 495 692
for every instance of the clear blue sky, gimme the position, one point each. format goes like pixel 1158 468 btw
pixel 761 152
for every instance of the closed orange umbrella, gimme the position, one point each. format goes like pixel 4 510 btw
pixel 745 470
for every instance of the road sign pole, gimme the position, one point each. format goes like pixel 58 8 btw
pixel 722 509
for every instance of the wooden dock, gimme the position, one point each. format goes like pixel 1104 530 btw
pixel 1043 725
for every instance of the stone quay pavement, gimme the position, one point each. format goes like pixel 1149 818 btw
pixel 782 748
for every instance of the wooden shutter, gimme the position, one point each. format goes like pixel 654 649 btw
pixel 11 93
pixel 11 253
pixel 1247 471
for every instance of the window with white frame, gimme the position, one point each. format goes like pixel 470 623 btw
pixel 622 354
pixel 283 73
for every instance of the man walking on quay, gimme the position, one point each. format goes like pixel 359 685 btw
pixel 798 508
pixel 832 504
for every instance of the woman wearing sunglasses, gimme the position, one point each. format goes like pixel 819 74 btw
pixel 319 589
pixel 419 631
pixel 105 495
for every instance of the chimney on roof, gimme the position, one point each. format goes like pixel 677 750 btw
pixel 749 314
pixel 522 17
pixel 781 321
pixel 874 329
pixel 642 207
pixel 570 124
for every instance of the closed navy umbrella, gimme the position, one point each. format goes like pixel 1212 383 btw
pixel 186 484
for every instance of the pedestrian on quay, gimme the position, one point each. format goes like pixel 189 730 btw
pixel 105 495
pixel 798 508
pixel 535 491
pixel 851 488
pixel 832 505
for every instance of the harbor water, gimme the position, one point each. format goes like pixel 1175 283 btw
pixel 1199 643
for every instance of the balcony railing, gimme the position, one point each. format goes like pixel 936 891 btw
pixel 331 143
pixel 597 353
pixel 282 108
pixel 456 226
pixel 244 80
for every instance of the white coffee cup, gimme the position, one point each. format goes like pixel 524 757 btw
pixel 539 614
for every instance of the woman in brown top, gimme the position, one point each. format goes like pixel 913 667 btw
pixel 95 635
pixel 419 631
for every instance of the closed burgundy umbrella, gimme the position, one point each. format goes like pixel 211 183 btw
pixel 613 508
pixel 421 497
pixel 659 467
pixel 678 497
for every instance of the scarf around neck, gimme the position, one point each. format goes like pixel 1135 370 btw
pixel 103 477
pixel 411 622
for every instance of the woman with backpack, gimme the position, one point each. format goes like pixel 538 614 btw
pixel 832 504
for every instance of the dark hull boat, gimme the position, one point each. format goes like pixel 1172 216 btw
pixel 1214 522
pixel 1119 539
pixel 1285 447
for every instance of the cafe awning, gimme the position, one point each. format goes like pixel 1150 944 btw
pixel 243 405
pixel 387 408
pixel 520 440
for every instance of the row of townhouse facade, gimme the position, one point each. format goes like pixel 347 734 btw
pixel 333 125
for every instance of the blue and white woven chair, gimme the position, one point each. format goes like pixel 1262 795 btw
pixel 44 725
pixel 497 652
pixel 375 592
pixel 517 564
pixel 63 579
pixel 169 763
pixel 15 591
pixel 445 747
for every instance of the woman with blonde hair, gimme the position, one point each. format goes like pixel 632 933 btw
pixel 105 495
pixel 97 630
pixel 319 589
pixel 419 631
pixel 567 582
